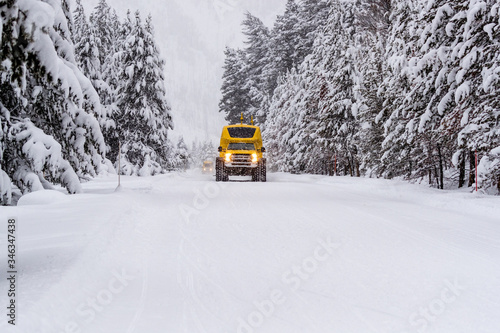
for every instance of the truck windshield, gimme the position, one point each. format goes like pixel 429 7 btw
pixel 241 146
pixel 241 132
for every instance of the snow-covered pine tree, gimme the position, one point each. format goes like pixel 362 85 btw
pixel 66 8
pixel 245 82
pixel 337 124
pixel 284 39
pixel 143 117
pixel 305 104
pixel 478 80
pixel 195 158
pixel 257 56
pixel 251 75
pixel 309 153
pixel 109 39
pixel 398 80
pixel 489 167
pixel 282 124
pixel 374 25
pixel 47 133
pixel 430 97
pixel 105 29
pixel 88 59
pixel 235 98
pixel 448 87
pixel 207 150
pixel 181 155
pixel 200 152
pixel 312 16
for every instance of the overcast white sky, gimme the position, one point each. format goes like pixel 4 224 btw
pixel 192 35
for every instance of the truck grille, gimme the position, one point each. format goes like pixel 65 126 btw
pixel 241 160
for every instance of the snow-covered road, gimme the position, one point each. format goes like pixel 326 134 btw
pixel 181 253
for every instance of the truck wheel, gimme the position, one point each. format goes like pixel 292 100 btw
pixel 262 170
pixel 218 170
pixel 255 174
pixel 224 175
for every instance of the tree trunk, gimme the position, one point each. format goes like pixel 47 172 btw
pixel 436 176
pixel 410 164
pixel 330 167
pixel 461 177
pixel 441 169
pixel 472 168
pixel 335 166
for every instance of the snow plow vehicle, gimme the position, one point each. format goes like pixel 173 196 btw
pixel 241 153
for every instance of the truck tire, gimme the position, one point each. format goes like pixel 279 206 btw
pixel 262 170
pixel 218 170
pixel 225 176
pixel 255 174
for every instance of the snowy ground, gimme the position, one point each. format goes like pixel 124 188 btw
pixel 181 253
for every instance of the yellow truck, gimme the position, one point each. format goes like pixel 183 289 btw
pixel 241 153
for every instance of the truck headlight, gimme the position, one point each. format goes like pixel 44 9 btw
pixel 254 158
pixel 228 157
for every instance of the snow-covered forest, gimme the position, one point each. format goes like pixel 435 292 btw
pixel 381 88
pixel 377 88
pixel 74 88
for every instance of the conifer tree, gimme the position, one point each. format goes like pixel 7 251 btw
pixel 398 78
pixel 235 97
pixel 336 124
pixel 283 55
pixel 88 59
pixel 143 116
pixel 479 85
pixel 108 38
pixel 374 25
pixel 256 52
pixel 181 156
pixel 103 21
pixel 48 134
pixel 312 16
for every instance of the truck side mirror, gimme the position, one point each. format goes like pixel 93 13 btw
pixel 263 149
pixel 219 149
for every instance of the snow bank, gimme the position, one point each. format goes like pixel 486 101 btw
pixel 489 172
pixel 45 197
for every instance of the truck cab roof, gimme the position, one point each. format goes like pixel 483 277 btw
pixel 241 133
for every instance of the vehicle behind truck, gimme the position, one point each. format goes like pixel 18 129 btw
pixel 241 153
pixel 208 167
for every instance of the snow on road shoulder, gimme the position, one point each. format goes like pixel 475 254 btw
pixel 419 194
pixel 41 198
pixel 78 257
